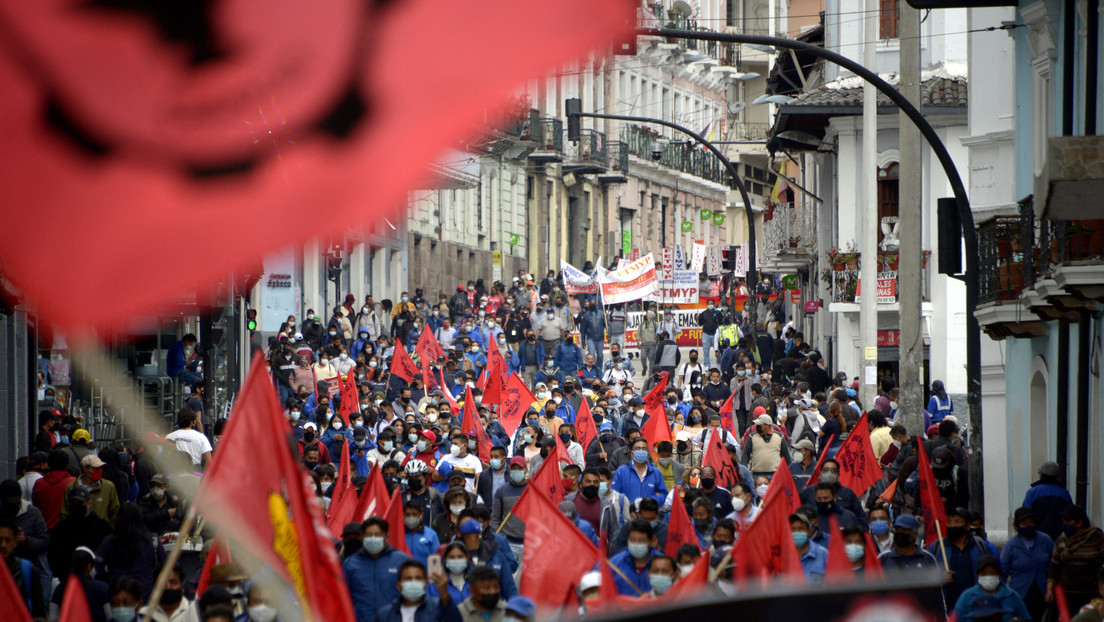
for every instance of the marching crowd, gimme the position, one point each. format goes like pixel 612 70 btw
pixel 552 381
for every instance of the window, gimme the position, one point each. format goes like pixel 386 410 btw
pixel 888 195
pixel 887 19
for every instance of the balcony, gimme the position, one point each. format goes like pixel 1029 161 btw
pixel 691 159
pixel 789 237
pixel 618 172
pixel 587 155
pixel 548 136
pixel 844 286
pixel 749 131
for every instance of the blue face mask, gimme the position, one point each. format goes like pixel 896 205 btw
pixel 879 527
pixel 603 488
pixel 640 456
pixel 661 583
pixel 63 440
pixel 637 550
pixel 123 614
pixel 800 538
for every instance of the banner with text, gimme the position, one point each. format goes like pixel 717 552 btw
pixel 578 282
pixel 682 289
pixel 632 282
pixel 697 257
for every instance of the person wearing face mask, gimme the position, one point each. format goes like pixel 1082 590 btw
pixel 503 503
pixel 335 434
pixel 310 439
pixel 743 510
pixel 95 591
pixel 590 506
pixel 460 460
pixel 640 478
pixel 670 469
pixel 880 531
pixel 826 506
pixel 633 562
pixel 324 371
pixel 1078 554
pixel 602 448
pixel 124 598
pixel 989 588
pixel 906 555
pixel 421 541
pixel 386 449
pixel 370 574
pixel 963 548
pixel 686 453
pixel 160 510
pixel 845 497
pixel 104 497
pixel 802 469
pixel 81 527
pixel 415 604
pixel 766 448
pixel 814 558
pixel 1026 559
pixel 636 418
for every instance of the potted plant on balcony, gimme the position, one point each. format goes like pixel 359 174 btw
pixel 890 260
pixel 850 256
pixel 835 257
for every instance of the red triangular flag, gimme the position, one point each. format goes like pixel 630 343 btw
pixel 9 593
pixel 495 374
pixel 402 366
pixel 872 566
pixel 455 407
pixel 396 529
pixel 692 584
pixel 471 424
pixel 653 400
pixel 782 485
pixel 74 606
pixel 766 547
pixel 716 456
pixel 427 348
pixel 556 553
pixel 858 464
pixel 350 398
pixel 219 553
pixel 273 511
pixel 515 402
pixel 839 569
pixel 728 420
pixel 656 429
pixel 887 495
pixel 374 496
pixel 547 482
pixel 930 501
pixel 680 529
pixel 815 477
pixel 343 501
pixel 584 425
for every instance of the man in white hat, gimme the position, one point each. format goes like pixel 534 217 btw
pixel 101 492
pixel 765 449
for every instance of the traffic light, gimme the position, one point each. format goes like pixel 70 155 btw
pixel 251 319
pixel 728 259
pixel 573 107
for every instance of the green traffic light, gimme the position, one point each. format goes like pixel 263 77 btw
pixel 251 325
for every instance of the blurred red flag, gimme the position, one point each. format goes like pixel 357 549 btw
pixel 656 429
pixel 9 593
pixel 219 553
pixel 516 400
pixel 350 398
pixel 496 373
pixel 1061 603
pixel 116 128
pixel 556 553
pixel 471 424
pixel 427 348
pixel 402 366
pixel 931 503
pixel 74 606
pixel 728 421
pixel 766 547
pixel 653 400
pixel 839 569
pixel 782 485
pixel 546 482
pixel 680 529
pixel 272 511
pixel 858 464
pixel 455 408
pixel 716 456
pixel 692 584
pixel 872 566
pixel 374 496
pixel 396 529
pixel 815 477
pixel 343 501
pixel 584 426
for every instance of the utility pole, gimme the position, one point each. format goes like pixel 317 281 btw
pixel 868 238
pixel 910 226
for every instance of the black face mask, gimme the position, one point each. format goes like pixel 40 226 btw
pixel 308 437
pixel 310 465
pixel 954 533
pixel 901 540
pixel 681 447
pixel 719 544
pixel 590 492
pixel 702 524
pixel 352 546
pixel 708 482
pixel 544 452
pixel 1026 532
pixel 825 507
pixel 415 483
pixel 171 597
pixel 488 601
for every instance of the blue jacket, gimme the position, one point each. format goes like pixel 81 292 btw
pixel 478 359
pixel 332 440
pixel 587 529
pixel 373 583
pixel 624 562
pixel 592 326
pixel 566 412
pixel 815 564
pixel 497 554
pixel 590 374
pixel 431 610
pixel 1022 565
pixel 628 483
pixel 1009 600
pixel 412 339
pixel 569 357
pixel 1049 500
pixel 422 544
pixel 175 361
pixel 358 345
pixel 530 354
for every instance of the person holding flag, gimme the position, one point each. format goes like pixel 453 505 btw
pixel 640 478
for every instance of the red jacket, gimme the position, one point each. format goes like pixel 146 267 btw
pixel 49 495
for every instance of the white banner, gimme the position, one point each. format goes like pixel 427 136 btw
pixel 714 259
pixel 667 264
pixel 682 290
pixel 578 282
pixel 632 282
pixel 680 257
pixel 697 257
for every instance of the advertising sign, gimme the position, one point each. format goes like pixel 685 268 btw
pixel 632 282
pixel 887 288
pixel 681 290
pixel 697 257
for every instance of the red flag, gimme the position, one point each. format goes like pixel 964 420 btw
pixel 9 593
pixel 716 456
pixel 455 407
pixel 584 425
pixel 402 366
pixel 872 566
pixel 141 155
pixel 515 402
pixel 556 553
pixel 396 529
pixel 471 424
pixel 656 429
pixel 782 485
pixel 374 496
pixel 609 599
pixel 766 547
pixel 1061 603
pixel 680 529
pixel 728 420
pixel 858 464
pixel 930 501
pixel 839 566
pixel 547 482
pixel 815 477
pixel 74 606
pixel 219 553
pixel 427 348
pixel 692 584
pixel 272 511
pixel 653 400
pixel 496 373
pixel 889 492
pixel 350 399
pixel 343 501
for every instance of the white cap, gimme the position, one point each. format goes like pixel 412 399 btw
pixel 590 580
pixel 764 420
pixel 683 435
pixel 310 426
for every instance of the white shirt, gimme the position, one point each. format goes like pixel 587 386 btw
pixel 469 465
pixel 27 483
pixel 192 443
pixel 407 612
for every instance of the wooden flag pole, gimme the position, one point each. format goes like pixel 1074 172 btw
pixel 504 519
pixel 716 571
pixel 622 575
pixel 167 567
pixel 942 547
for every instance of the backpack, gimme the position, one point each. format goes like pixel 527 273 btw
pixel 807 431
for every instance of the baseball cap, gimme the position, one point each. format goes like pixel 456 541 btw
pixel 941 458
pixel 79 494
pixel 759 410
pixel 81 435
pixel 906 521
pixel 518 461
pixel 39 457
pixel 805 444
pixel 522 605
pixel 160 478
pixel 92 460
pixel 310 425
pixel 353 528
pixel 589 581
pixel 605 427
pixel 683 435
pixel 470 527
pixel 429 436
pixel 1022 513
pixel 764 419
pixel 801 517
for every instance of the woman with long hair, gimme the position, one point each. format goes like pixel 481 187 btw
pixel 132 551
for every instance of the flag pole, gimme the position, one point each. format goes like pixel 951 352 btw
pixel 715 571
pixel 167 567
pixel 942 547
pixel 504 519
pixel 622 575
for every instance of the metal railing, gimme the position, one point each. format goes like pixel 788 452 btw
pixel 844 278
pixel 1001 253
pixel 548 133
pixel 791 231
pixel 590 148
pixel 684 157
pixel 749 131
pixel 618 157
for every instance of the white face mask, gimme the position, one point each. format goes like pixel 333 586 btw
pixel 893 405
pixel 989 583
pixel 262 613
pixel 738 503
